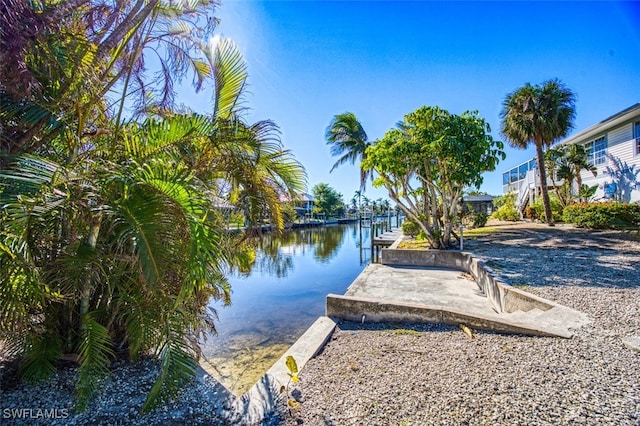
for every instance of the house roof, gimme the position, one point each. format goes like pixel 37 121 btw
pixel 478 198
pixel 304 197
pixel 606 124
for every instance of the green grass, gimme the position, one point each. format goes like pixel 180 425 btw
pixel 468 233
pixel 414 244
pixel 479 232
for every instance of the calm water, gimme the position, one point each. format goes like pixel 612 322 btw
pixel 281 297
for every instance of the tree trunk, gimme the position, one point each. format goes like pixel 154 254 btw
pixel 543 184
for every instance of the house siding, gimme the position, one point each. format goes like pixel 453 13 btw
pixel 620 135
pixel 623 151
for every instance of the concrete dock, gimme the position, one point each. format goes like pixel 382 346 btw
pixel 448 287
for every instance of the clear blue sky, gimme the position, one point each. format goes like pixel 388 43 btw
pixel 309 61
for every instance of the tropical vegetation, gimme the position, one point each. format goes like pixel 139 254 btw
pixel 328 201
pixel 112 242
pixel 505 208
pixel 538 115
pixel 603 215
pixel 566 163
pixel 348 139
pixel 428 161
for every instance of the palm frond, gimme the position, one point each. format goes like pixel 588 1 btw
pixel 177 366
pixel 95 353
pixel 40 355
pixel 348 139
pixel 230 76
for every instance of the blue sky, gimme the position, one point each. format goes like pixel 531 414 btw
pixel 309 61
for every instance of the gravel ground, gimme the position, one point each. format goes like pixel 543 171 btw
pixel 403 374
pixel 119 402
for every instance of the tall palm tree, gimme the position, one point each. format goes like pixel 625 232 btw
pixel 348 139
pixel 539 114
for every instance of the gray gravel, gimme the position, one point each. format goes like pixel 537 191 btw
pixel 119 403
pixel 402 374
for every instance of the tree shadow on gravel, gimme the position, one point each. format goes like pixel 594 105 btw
pixel 541 256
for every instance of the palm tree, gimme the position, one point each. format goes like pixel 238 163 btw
pixel 110 241
pixel 358 195
pixel 347 138
pixel 540 115
pixel 61 59
pixel 577 160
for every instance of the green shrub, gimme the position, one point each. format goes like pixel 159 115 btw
pixel 505 200
pixel 479 219
pixel 410 228
pixel 506 208
pixel 603 215
pixel 506 212
pixel 537 209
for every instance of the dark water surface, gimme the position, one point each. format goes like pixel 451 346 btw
pixel 281 297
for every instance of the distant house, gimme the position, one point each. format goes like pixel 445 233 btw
pixel 612 145
pixel 479 203
pixel 303 203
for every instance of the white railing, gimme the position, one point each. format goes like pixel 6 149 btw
pixel 525 185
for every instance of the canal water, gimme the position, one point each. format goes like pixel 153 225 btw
pixel 282 295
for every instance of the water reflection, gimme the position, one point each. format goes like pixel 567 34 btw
pixel 274 302
pixel 275 254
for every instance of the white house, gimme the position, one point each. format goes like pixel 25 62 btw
pixel 612 145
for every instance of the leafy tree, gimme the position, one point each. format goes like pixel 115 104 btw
pixel 426 163
pixel 347 138
pixel 327 200
pixel 540 115
pixel 474 192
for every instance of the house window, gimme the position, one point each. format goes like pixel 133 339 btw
pixel 514 175
pixel 597 151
